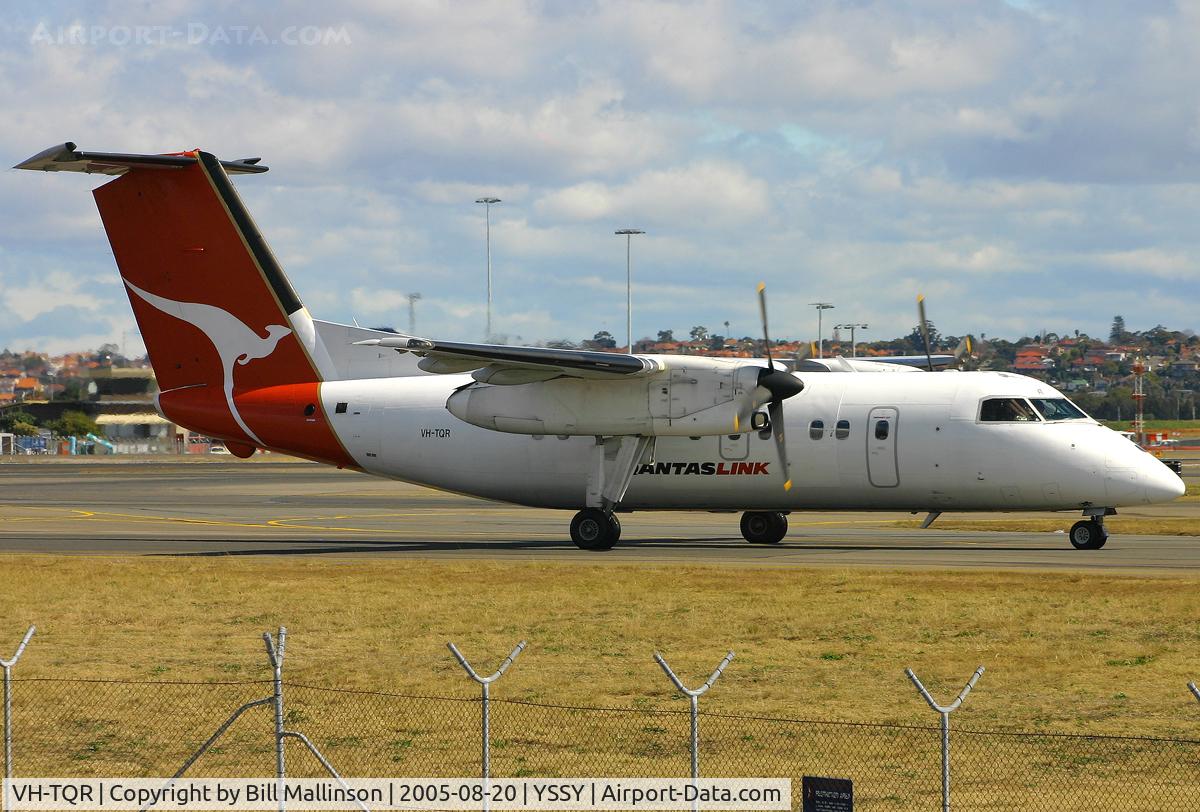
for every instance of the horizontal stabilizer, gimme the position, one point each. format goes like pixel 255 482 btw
pixel 67 158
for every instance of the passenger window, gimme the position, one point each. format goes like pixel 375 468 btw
pixel 816 429
pixel 881 429
pixel 842 431
pixel 340 408
pixel 1007 410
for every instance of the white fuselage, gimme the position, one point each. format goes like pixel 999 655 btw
pixel 937 455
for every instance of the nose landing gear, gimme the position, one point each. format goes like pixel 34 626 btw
pixel 764 528
pixel 595 529
pixel 1089 534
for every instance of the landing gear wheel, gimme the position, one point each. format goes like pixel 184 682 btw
pixel 593 529
pixel 764 528
pixel 1088 535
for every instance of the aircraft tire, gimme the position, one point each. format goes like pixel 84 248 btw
pixel 764 528
pixel 1088 535
pixel 593 529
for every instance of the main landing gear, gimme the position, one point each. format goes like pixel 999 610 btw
pixel 764 528
pixel 613 462
pixel 595 529
pixel 1091 534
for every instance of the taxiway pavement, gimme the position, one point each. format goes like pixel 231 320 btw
pixel 212 508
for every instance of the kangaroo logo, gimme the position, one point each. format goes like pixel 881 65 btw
pixel 235 342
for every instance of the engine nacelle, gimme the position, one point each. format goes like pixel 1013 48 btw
pixel 692 397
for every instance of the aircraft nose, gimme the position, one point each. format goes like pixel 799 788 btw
pixel 1162 484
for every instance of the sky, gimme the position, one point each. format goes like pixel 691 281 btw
pixel 1025 165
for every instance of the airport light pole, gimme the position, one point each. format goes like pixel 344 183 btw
pixel 487 202
pixel 413 298
pixel 1179 395
pixel 851 327
pixel 821 308
pixel 628 233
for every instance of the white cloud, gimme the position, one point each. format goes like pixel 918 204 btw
pixel 856 152
pixel 708 194
pixel 1152 262
pixel 34 297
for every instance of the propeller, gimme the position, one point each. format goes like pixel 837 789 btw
pixel 774 387
pixel 924 330
pixel 965 346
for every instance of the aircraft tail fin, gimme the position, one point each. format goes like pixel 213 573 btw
pixel 220 321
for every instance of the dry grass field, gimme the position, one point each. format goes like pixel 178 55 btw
pixel 1071 652
pixel 1064 653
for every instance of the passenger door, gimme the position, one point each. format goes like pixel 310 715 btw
pixel 882 425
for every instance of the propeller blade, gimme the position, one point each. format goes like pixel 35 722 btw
pixel 965 347
pixel 779 386
pixel 924 330
pixel 762 309
pixel 776 412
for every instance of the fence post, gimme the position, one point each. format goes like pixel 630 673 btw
pixel 694 697
pixel 1195 691
pixel 8 665
pixel 486 711
pixel 275 651
pixel 944 712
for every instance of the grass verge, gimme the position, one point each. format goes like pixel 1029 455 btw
pixel 1074 651
pixel 1064 651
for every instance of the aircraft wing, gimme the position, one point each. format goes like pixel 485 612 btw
pixel 498 364
pixel 890 363
pixel 919 361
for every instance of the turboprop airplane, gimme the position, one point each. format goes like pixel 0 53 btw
pixel 237 356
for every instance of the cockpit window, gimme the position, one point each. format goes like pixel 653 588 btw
pixel 1007 410
pixel 1058 409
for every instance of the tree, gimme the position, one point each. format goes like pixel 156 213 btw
pixel 699 333
pixel 73 424
pixel 1117 333
pixel 603 339
pixel 666 336
pixel 17 421
pixel 73 389
pixel 917 342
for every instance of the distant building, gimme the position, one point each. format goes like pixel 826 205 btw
pixel 1184 368
pixel 1033 360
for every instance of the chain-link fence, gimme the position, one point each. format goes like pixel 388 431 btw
pixel 144 729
